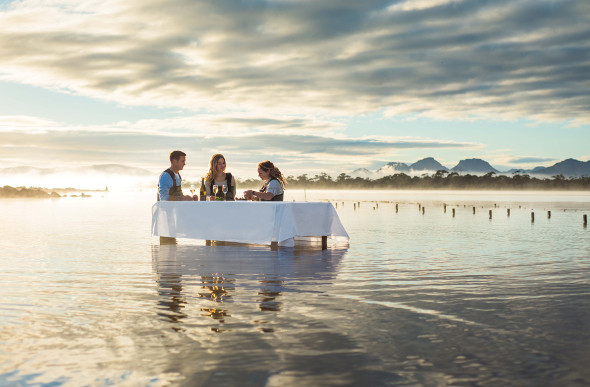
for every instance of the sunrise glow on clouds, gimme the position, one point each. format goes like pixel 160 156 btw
pixel 315 85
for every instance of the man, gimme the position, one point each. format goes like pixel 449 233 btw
pixel 169 186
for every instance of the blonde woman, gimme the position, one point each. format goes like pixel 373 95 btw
pixel 218 176
pixel 274 184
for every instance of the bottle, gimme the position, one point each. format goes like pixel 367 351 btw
pixel 202 191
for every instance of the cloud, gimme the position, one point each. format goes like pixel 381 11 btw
pixel 528 160
pixel 146 144
pixel 27 123
pixel 201 124
pixel 440 59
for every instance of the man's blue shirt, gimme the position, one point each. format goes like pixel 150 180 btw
pixel 166 183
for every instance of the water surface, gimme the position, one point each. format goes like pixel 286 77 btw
pixel 88 297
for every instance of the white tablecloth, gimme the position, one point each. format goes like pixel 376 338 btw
pixel 245 221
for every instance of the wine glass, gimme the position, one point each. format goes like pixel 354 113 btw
pixel 224 189
pixel 192 189
pixel 215 188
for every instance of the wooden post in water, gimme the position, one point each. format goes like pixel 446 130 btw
pixel 444 208
pixel 422 210
pixel 532 217
pixel 354 205
pixel 453 212
pixel 585 220
pixel 377 204
pixel 548 214
pixel 396 208
pixel 419 206
pixel 336 205
pixel 508 212
pixel 490 214
pixel 473 210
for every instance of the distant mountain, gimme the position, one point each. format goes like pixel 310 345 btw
pixel 393 168
pixel 473 166
pixel 362 172
pixel 567 168
pixel 427 164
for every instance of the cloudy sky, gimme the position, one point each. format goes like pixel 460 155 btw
pixel 330 85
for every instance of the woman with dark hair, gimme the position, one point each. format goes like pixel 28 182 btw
pixel 218 176
pixel 274 184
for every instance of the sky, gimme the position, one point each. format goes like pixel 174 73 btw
pixel 314 86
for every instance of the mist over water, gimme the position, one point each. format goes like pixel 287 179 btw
pixel 88 297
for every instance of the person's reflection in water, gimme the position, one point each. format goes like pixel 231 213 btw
pixel 171 301
pixel 269 292
pixel 216 288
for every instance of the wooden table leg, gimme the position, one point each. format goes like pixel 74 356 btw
pixel 324 242
pixel 167 241
pixel 274 246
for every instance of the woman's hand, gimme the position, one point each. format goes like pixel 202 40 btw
pixel 248 194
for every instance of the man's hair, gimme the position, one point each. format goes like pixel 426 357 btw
pixel 176 155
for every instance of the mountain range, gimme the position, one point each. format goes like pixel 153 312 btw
pixel 567 168
pixel 99 176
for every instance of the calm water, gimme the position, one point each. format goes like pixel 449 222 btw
pixel 88 297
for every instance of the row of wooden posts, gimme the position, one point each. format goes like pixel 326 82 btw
pixel 422 208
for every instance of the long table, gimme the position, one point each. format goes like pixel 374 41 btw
pixel 246 221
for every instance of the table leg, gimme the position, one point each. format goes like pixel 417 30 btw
pixel 324 242
pixel 274 246
pixel 167 241
pixel 208 242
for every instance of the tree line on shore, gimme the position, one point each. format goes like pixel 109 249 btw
pixel 23 192
pixel 440 180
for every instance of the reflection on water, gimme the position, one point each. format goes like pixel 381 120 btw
pixel 170 301
pixel 206 278
pixel 216 288
pixel 269 292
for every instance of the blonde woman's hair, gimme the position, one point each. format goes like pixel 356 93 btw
pixel 213 166
pixel 273 171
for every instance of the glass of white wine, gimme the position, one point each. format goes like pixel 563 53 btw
pixel 192 189
pixel 215 188
pixel 224 189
